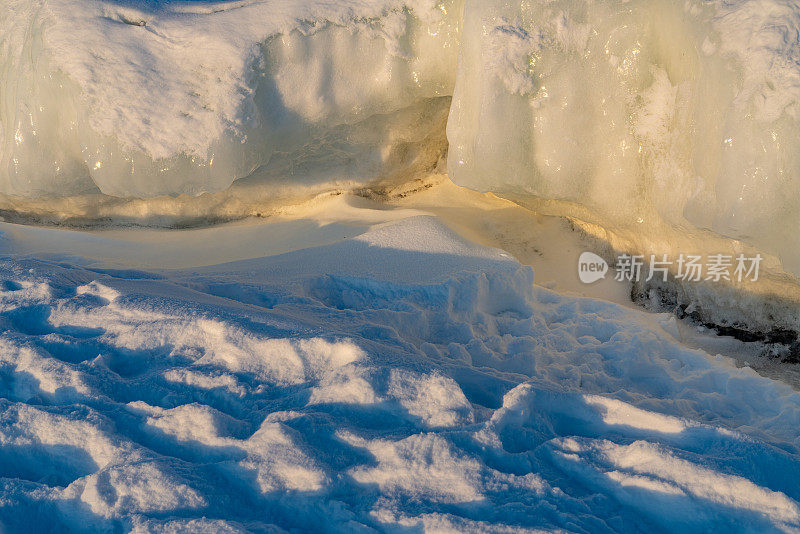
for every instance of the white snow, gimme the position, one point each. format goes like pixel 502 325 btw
pixel 404 378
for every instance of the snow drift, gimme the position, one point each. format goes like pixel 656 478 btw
pixel 422 384
pixel 672 127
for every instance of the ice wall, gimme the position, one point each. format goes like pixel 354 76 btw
pixel 143 98
pixel 642 116
pixel 638 115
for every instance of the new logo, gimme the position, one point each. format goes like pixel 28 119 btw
pixel 591 268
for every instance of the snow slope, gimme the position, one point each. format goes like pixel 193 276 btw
pixel 403 379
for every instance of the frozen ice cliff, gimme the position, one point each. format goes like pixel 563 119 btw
pixel 670 123
pixel 637 112
pixel 661 127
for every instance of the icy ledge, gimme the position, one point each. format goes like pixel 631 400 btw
pixel 633 115
pixel 671 128
pixel 637 116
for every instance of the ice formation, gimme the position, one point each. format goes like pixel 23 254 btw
pixel 637 115
pixel 141 98
pixel 672 127
pixel 633 115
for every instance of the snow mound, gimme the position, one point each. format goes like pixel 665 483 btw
pixel 362 385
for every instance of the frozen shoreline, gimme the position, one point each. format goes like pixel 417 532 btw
pixel 689 121
pixel 298 100
pixel 251 291
pixel 551 244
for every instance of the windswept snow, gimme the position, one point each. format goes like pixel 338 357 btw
pixel 404 379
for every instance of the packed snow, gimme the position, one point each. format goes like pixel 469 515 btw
pixel 400 379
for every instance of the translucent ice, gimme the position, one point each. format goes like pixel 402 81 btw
pixel 652 118
pixel 146 98
pixel 637 115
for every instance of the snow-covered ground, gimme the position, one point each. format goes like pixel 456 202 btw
pixel 378 372
pixel 273 289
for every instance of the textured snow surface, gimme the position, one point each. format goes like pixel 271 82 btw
pixel 404 380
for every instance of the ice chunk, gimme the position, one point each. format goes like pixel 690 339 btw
pixel 150 98
pixel 636 114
